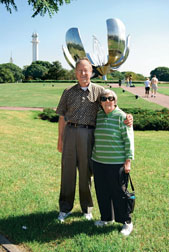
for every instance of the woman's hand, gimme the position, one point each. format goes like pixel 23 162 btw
pixel 129 120
pixel 127 166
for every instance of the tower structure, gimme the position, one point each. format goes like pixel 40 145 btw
pixel 35 43
pixel 11 59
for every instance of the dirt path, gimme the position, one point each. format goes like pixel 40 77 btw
pixel 21 108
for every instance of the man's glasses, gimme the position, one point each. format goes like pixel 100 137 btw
pixel 83 71
pixel 104 98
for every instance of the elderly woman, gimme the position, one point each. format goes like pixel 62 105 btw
pixel 112 154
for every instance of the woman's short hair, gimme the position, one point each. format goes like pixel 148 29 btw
pixel 111 93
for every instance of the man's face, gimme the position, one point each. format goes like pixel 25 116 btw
pixel 84 73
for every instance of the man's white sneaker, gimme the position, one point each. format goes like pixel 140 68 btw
pixel 62 216
pixel 100 223
pixel 88 216
pixel 127 228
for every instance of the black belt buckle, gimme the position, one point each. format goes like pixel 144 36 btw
pixel 76 125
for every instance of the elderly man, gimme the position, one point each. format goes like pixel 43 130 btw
pixel 77 108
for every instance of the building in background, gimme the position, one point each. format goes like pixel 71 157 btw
pixel 35 43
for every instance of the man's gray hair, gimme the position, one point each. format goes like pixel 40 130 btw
pixel 110 93
pixel 81 59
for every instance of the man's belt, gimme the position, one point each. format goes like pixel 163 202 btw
pixel 76 125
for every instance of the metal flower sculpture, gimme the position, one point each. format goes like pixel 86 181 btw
pixel 118 48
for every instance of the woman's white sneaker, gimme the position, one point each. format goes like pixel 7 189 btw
pixel 88 216
pixel 127 228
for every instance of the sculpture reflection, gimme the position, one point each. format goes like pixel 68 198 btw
pixel 118 48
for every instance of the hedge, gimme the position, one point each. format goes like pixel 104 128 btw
pixel 149 119
pixel 49 114
pixel 68 81
pixel 143 119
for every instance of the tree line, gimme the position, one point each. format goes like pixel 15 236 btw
pixel 44 70
pixel 38 70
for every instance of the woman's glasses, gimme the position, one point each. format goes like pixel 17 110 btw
pixel 104 98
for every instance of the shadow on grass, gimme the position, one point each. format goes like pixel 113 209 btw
pixel 44 227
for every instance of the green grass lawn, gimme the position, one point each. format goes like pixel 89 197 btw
pixel 48 95
pixel 31 95
pixel 29 191
pixel 164 91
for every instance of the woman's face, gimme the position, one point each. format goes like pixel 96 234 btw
pixel 108 103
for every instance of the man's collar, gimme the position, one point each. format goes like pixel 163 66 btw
pixel 89 87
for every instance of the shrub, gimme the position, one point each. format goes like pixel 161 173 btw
pixel 143 119
pixel 49 114
pixel 150 119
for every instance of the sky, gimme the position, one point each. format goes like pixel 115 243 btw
pixel 147 21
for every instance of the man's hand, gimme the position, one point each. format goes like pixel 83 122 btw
pixel 60 145
pixel 61 127
pixel 129 120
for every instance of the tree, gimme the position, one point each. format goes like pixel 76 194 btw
pixel 70 75
pixel 116 75
pixel 56 72
pixel 39 6
pixel 15 70
pixel 135 76
pixel 127 74
pixel 6 75
pixel 162 73
pixel 46 64
pixel 45 70
pixel 35 71
pixel 140 77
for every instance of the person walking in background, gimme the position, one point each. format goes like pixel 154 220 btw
pixel 112 154
pixel 127 82
pixel 154 86
pixel 147 87
pixel 130 80
pixel 77 111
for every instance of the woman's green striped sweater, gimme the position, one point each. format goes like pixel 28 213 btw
pixel 114 141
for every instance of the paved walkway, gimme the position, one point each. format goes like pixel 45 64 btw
pixel 6 245
pixel 160 99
